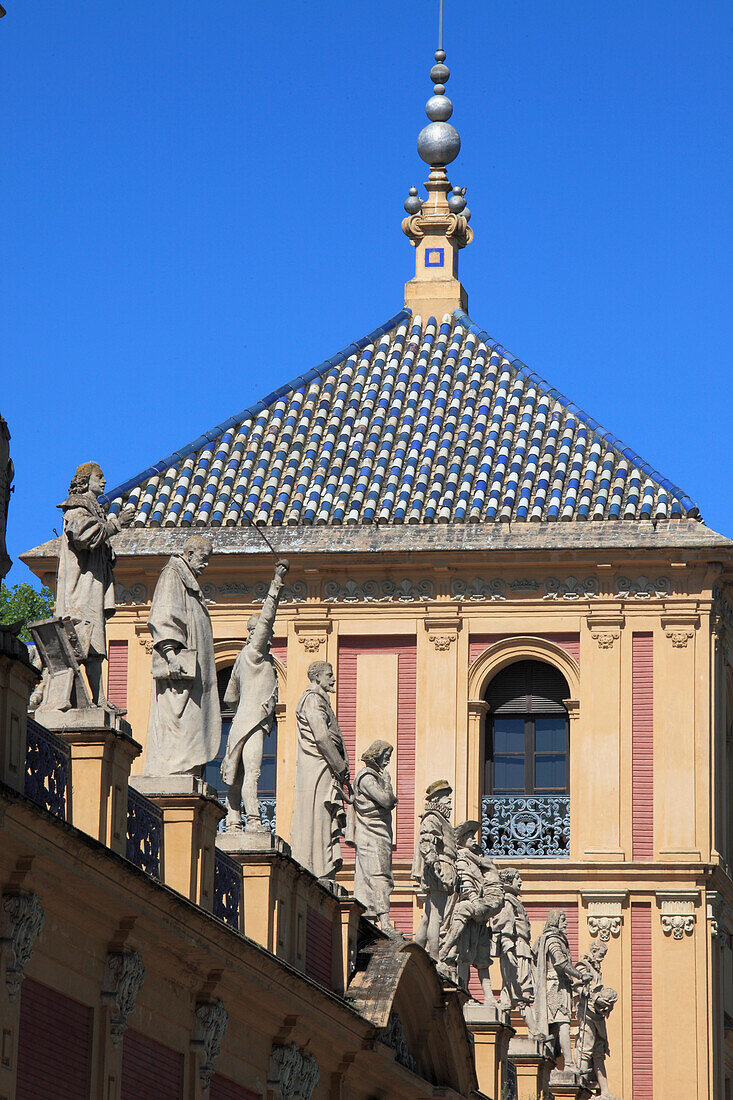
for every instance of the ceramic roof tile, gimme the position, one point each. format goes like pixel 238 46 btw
pixel 422 421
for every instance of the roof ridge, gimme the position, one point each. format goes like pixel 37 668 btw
pixel 252 410
pixel 613 441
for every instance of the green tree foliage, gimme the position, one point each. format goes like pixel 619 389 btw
pixel 22 603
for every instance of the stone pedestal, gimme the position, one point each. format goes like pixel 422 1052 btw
pixel 233 841
pixel 17 680
pixel 191 816
pixel 532 1066
pixel 566 1084
pixel 102 752
pixel 491 1032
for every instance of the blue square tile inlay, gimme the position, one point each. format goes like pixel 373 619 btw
pixel 434 257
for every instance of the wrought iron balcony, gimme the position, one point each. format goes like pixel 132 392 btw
pixel 47 764
pixel 526 826
pixel 144 832
pixel 227 888
pixel 267 811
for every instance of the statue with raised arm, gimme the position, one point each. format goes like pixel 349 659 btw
pixel 371 834
pixel 468 940
pixel 184 729
pixel 555 979
pixel 321 774
pixel 513 943
pixel 252 689
pixel 85 590
pixel 434 865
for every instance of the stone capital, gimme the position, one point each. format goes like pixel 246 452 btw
pixel 211 1023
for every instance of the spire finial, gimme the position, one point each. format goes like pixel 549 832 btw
pixel 438 227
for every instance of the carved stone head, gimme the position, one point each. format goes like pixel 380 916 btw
pixel 196 552
pixel 321 673
pixel 88 478
pixel 378 754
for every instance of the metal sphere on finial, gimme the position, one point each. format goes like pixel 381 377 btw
pixel 457 200
pixel 438 108
pixel 438 144
pixel 413 203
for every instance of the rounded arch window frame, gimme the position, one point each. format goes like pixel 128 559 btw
pixel 495 658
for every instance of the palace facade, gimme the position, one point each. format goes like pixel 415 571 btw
pixel 516 600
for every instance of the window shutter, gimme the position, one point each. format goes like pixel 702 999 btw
pixel 528 687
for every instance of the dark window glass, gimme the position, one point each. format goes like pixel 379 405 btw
pixel 527 731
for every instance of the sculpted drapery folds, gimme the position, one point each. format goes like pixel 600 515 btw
pixel 370 831
pixel 184 729
pixel 85 585
pixel 512 942
pixel 253 690
pixel 555 977
pixel 434 865
pixel 594 1007
pixel 321 773
pixel 468 941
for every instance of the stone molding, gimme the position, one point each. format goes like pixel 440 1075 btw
pixel 23 919
pixel 605 913
pixel 293 1074
pixel 678 914
pixel 212 1020
pixel 124 974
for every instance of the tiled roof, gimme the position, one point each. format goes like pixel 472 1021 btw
pixel 419 422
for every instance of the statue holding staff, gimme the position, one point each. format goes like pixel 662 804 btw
pixel 321 773
pixel 253 690
pixel 184 729
pixel 371 833
pixel 85 590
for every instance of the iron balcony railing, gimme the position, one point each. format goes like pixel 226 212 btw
pixel 144 832
pixel 527 826
pixel 47 764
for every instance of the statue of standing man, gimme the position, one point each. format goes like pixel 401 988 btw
pixel 253 690
pixel 85 590
pixel 321 773
pixel 184 730
pixel 434 865
pixel 374 801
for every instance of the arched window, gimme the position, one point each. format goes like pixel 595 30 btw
pixel 527 731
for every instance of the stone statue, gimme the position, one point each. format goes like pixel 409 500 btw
pixel 6 488
pixel 591 1046
pixel 513 942
pixel 555 976
pixel 434 865
pixel 468 941
pixel 594 1006
pixel 85 590
pixel 184 730
pixel 371 834
pixel 253 689
pixel 321 773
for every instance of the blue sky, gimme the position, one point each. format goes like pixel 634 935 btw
pixel 200 201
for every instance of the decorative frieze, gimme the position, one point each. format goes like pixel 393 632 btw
pixel 643 588
pixel 23 920
pixel 571 588
pixel 605 913
pixel 135 594
pixel 212 1020
pixel 295 592
pixel 678 912
pixel 478 589
pixel 378 591
pixel 124 975
pixel 293 1074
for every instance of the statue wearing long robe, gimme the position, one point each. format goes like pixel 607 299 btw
pixel 319 816
pixel 85 588
pixel 374 801
pixel 184 730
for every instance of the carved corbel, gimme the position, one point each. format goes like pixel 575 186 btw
pixel 124 975
pixel 678 912
pixel 293 1074
pixel 212 1020
pixel 605 630
pixel 442 629
pixel 680 627
pixel 23 918
pixel 605 913
pixel 312 630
